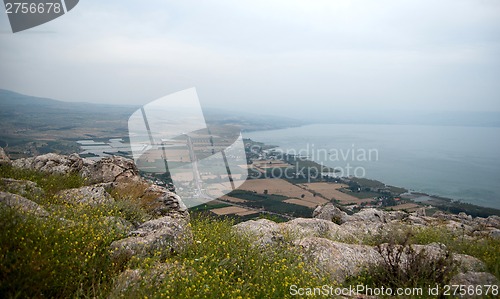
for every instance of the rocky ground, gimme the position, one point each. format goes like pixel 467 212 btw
pixel 338 244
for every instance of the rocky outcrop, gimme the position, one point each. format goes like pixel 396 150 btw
pixel 109 173
pixel 109 169
pixel 164 202
pixel 54 163
pixel 4 159
pixel 265 232
pixel 338 260
pixel 151 237
pixel 370 221
pixel 336 249
pixel 331 213
pixel 21 187
pixel 21 204
pixel 91 195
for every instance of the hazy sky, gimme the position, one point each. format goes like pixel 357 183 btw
pixel 273 56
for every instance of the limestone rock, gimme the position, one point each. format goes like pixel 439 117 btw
pixel 54 163
pixel 4 159
pixel 396 216
pixel 164 202
pixel 21 187
pixel 331 213
pixel 363 229
pixel 467 263
pixel 304 227
pixel 22 204
pixel 339 260
pixel 92 195
pixel 172 233
pixel 369 215
pixel 495 234
pixel 111 169
pixel 415 220
pixel 474 279
pixel 494 221
pixel 264 232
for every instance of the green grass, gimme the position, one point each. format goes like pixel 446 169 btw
pixel 53 257
pixel 222 264
pixel 67 253
pixel 51 184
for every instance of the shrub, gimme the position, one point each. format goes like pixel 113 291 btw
pixel 405 265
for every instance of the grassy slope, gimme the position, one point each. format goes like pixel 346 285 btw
pixel 67 258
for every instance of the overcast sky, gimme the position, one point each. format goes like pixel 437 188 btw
pixel 284 57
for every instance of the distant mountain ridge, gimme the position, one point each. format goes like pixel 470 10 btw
pixel 33 125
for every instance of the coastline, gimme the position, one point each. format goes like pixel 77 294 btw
pixel 426 200
pixel 450 162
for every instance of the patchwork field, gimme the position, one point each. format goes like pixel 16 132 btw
pixel 331 191
pixel 301 202
pixel 280 187
pixel 239 211
pixel 410 207
pixel 232 199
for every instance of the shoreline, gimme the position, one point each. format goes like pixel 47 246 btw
pixel 439 202
pixel 442 175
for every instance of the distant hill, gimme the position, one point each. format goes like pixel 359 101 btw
pixel 33 125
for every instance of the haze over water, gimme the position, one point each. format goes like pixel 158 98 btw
pixel 457 162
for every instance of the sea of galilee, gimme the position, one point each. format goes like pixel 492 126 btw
pixel 461 163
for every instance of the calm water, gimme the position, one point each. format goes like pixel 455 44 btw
pixel 457 162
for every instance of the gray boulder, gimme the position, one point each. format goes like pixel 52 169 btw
pixel 369 215
pixel 338 260
pixel 4 158
pixel 21 187
pixel 263 232
pixel 164 202
pixel 362 229
pixel 151 237
pixel 92 195
pixel 21 204
pixel 111 169
pixel 53 163
pixel 304 227
pixel 331 213
pixel 396 216
pixel 494 221
pixel 106 170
